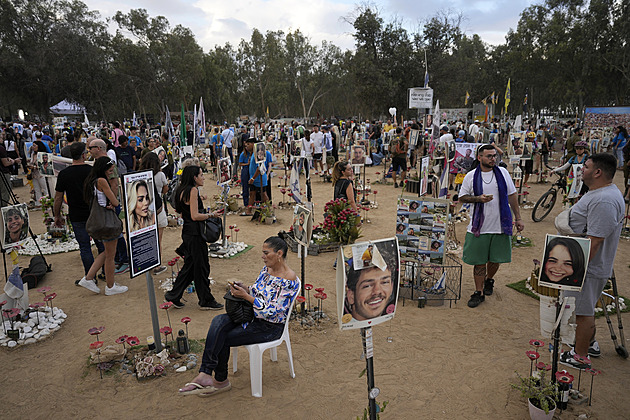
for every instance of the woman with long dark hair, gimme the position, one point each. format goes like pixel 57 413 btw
pixel 342 176
pixel 563 262
pixel 271 295
pixel 195 250
pixel 97 184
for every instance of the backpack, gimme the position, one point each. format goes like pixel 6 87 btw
pixel 170 194
pixel 35 271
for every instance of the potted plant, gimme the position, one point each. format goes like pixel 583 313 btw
pixel 540 392
pixel 266 213
pixel 341 223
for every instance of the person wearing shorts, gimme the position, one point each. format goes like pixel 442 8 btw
pixel 599 215
pixel 489 235
pixel 318 149
pixel 399 147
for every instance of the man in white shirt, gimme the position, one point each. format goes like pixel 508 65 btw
pixel 489 235
pixel 318 148
pixel 473 130
pixel 445 135
pixel 228 135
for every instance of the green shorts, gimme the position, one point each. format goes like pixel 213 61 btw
pixel 488 247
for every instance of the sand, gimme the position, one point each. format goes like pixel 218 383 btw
pixel 443 363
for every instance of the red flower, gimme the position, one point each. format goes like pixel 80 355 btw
pixel 133 341
pixel 231 226
pixel 10 313
pixel 34 305
pixel 375 192
pixel 166 305
pixel 564 377
pixel 533 355
pixel 593 371
pixel 536 343
pixel 96 345
pixel 324 296
pixel 317 295
pixel 166 330
pixel 308 286
pixel 122 339
pixel 541 366
pixel 44 289
pixel 186 319
pixel 377 173
pixel 319 289
pixel 96 330
pixel 237 230
pixel 171 263
pixel 581 359
pixel 50 297
pixel 4 302
pixel 300 299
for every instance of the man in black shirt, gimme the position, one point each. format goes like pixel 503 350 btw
pixel 70 181
pixel 5 172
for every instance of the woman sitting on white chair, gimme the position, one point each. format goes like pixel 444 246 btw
pixel 271 294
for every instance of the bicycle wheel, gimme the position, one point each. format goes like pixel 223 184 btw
pixel 544 205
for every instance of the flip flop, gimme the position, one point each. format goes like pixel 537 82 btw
pixel 212 390
pixel 197 390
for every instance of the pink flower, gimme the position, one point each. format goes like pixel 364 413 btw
pixel 4 302
pixel 300 299
pixel 133 341
pixel 186 319
pixel 96 345
pixel 122 339
pixel 533 355
pixel 44 289
pixel 564 377
pixel 96 330
pixel 390 309
pixel 536 343
pixel 166 305
pixel 50 297
pixel 593 371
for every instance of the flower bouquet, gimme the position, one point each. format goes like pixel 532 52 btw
pixel 341 222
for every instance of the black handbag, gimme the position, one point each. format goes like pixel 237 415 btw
pixel 103 224
pixel 238 309
pixel 211 229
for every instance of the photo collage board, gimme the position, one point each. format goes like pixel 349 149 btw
pixel 421 225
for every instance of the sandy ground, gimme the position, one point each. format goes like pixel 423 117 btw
pixel 443 363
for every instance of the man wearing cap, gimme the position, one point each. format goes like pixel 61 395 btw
pixel 445 135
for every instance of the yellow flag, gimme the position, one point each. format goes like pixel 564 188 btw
pixel 485 100
pixel 494 99
pixel 507 96
pixel 467 98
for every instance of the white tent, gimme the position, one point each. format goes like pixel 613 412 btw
pixel 66 108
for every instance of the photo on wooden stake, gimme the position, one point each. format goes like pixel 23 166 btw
pixel 15 222
pixel 564 262
pixel 368 276
pixel 302 225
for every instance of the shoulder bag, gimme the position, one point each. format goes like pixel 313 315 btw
pixel 103 224
pixel 238 309
pixel 211 229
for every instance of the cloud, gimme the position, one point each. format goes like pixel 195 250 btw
pixel 215 23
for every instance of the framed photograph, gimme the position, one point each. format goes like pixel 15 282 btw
pixel 296 148
pixel 260 152
pixel 564 262
pixel 45 164
pixel 15 223
pixel 302 225
pixel 464 158
pixel 358 155
pixel 225 169
pixel 575 180
pixel 161 152
pixel 367 283
pixel 424 175
pixel 140 219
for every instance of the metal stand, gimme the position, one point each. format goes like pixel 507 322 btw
pixel 556 344
pixel 154 313
pixel 368 351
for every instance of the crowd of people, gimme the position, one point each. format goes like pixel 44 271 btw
pixel 333 151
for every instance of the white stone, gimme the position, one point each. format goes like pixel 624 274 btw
pixel 27 329
pixel 37 336
pixel 30 341
pixel 12 343
pixel 31 323
pixel 181 369
pixel 44 332
pixel 28 335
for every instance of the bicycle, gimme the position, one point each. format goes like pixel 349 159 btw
pixel 545 203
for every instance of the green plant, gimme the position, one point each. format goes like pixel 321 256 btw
pixel 265 210
pixel 542 392
pixel 341 222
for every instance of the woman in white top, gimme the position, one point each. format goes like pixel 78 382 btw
pixel 97 184
pixel 39 183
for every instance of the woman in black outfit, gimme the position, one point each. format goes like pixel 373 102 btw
pixel 342 177
pixel 196 265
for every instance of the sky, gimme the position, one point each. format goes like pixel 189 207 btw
pixel 216 22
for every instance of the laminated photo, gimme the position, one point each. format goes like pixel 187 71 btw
pixel 367 282
pixel 15 223
pixel 564 262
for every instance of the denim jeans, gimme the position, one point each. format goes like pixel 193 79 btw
pixel 223 334
pixel 85 248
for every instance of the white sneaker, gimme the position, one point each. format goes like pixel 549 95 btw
pixel 115 289
pixel 89 284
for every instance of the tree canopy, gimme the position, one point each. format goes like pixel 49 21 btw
pixel 563 54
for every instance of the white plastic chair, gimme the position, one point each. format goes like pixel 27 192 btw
pixel 256 351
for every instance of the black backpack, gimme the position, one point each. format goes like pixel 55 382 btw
pixel 35 272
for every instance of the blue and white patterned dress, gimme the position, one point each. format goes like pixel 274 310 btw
pixel 273 296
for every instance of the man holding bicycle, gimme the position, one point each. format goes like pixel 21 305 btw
pixel 489 237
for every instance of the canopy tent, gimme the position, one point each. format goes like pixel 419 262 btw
pixel 66 108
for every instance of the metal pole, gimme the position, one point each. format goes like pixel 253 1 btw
pixel 303 272
pixel 154 312
pixel 225 197
pixel 368 350
pixel 556 344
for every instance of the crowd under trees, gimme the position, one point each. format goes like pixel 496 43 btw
pixel 564 54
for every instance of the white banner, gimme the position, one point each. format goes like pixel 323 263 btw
pixel 420 98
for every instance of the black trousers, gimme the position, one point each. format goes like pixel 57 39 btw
pixel 196 269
